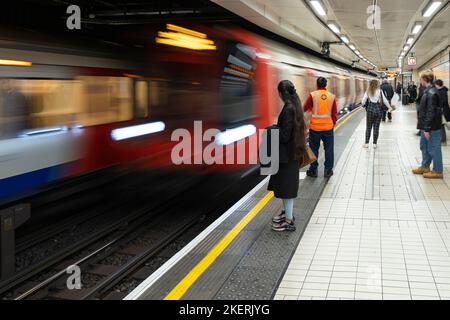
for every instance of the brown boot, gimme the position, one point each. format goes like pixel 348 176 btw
pixel 433 175
pixel 421 170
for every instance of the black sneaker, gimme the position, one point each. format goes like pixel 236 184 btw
pixel 280 218
pixel 284 226
pixel 312 174
pixel 328 173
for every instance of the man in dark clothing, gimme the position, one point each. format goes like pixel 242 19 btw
pixel 388 91
pixel 419 98
pixel 443 94
pixel 429 124
pixel 398 90
pixel 413 92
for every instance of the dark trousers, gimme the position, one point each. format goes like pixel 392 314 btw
pixel 443 134
pixel 328 143
pixel 373 122
pixel 388 114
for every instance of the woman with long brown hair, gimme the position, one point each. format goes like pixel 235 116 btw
pixel 373 102
pixel 285 183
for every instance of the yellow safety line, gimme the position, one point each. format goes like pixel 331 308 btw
pixel 184 285
pixel 201 267
pixel 348 118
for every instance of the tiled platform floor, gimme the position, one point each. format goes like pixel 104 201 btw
pixel 378 231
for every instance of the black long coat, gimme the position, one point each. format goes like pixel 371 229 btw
pixel 285 183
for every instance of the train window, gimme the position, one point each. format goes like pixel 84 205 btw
pixel 141 99
pixel 35 103
pixel 300 84
pixel 106 100
pixel 42 103
pixel 237 85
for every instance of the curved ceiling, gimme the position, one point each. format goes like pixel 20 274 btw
pixel 295 20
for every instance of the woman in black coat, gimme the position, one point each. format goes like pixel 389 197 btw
pixel 285 183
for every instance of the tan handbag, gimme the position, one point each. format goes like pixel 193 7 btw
pixel 308 158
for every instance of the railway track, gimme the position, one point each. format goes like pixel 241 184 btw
pixel 40 250
pixel 107 265
pixel 116 258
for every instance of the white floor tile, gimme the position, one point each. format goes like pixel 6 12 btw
pixel 378 232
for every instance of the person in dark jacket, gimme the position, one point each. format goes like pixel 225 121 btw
pixel 388 91
pixel 429 124
pixel 398 90
pixel 443 94
pixel 292 128
pixel 419 98
pixel 413 92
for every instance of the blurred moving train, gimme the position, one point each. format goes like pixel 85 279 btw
pixel 64 114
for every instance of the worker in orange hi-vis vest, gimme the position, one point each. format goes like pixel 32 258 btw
pixel 321 105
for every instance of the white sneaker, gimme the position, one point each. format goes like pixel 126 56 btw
pixel 366 146
pixel 374 146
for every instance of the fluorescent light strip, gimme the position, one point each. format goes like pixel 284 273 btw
pixel 352 47
pixel 410 40
pixel 137 131
pixel 417 27
pixel 318 7
pixel 334 27
pixel 345 39
pixel 233 135
pixel 431 8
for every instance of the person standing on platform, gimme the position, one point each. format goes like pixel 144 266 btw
pixel 398 90
pixel 419 98
pixel 429 124
pixel 323 108
pixel 443 94
pixel 373 102
pixel 292 129
pixel 413 92
pixel 388 91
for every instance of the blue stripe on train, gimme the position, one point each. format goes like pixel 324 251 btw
pixel 22 183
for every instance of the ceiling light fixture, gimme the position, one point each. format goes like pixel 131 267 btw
pixel 406 47
pixel 352 47
pixel 431 8
pixel 345 39
pixel 410 40
pixel 417 27
pixel 319 7
pixel 334 27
